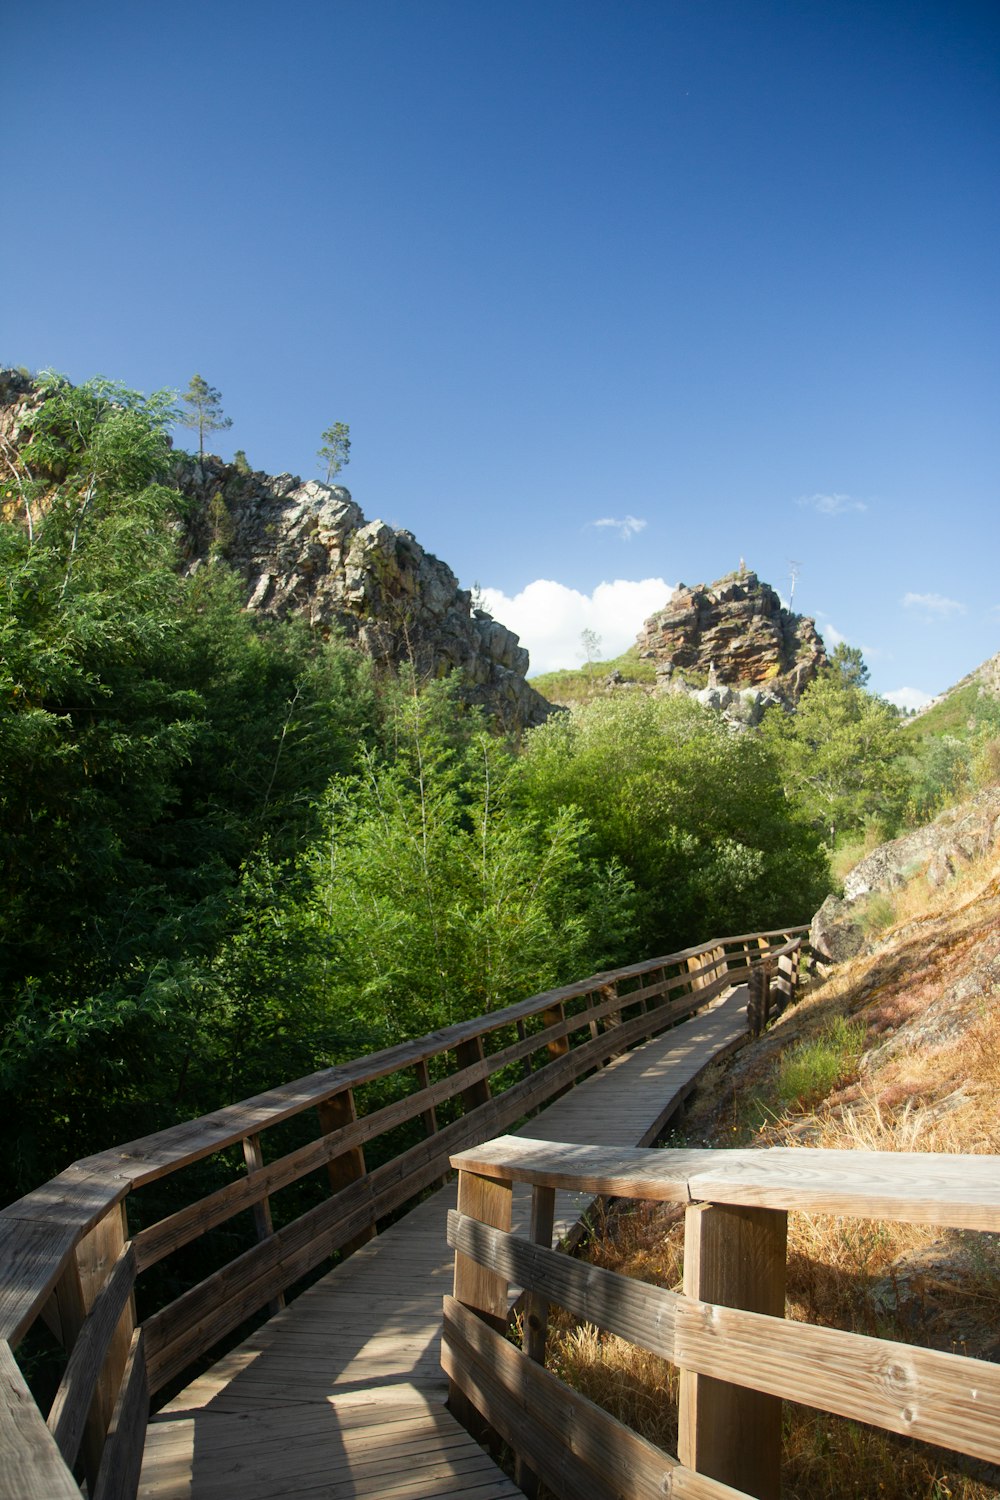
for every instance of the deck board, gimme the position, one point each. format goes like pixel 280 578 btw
pixel 341 1395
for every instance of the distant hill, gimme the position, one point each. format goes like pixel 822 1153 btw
pixel 951 711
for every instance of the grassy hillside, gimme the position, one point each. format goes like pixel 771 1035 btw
pixel 952 715
pixel 579 685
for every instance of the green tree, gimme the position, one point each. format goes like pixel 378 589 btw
pixel 437 896
pixel 154 737
pixel 204 411
pixel 695 815
pixel 336 449
pixel 849 665
pixel 841 754
pixel 591 643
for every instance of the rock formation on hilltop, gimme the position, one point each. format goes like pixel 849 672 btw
pixel 305 548
pixel 733 645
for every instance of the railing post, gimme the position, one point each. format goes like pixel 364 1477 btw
pixel 784 983
pixel 613 1017
pixel 721 961
pixel 694 963
pixel 466 1054
pixel 429 1115
pixel 94 1259
pixel 536 1315
pixel 334 1113
pixel 483 1291
pixel 551 1017
pixel 253 1155
pixel 559 1046
pixel 734 1257
pixel 526 1061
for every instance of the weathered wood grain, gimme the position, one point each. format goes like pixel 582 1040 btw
pixel 536 1314
pixel 121 1460
pixel 734 1257
pixel 940 1398
pixel 31 1466
pixel 631 1309
pixel 952 1190
pixel 70 1408
pixel 576 1447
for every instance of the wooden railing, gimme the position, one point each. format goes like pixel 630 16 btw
pixel 726 1332
pixel 69 1254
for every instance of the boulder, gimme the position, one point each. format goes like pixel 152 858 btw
pixel 835 933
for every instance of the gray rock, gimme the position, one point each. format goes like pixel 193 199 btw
pixel 835 933
pixel 889 866
pixel 959 835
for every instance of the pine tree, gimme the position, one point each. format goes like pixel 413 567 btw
pixel 336 449
pixel 205 411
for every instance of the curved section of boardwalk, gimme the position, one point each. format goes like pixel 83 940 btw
pixel 342 1393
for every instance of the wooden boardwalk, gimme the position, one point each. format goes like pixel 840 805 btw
pixel 342 1394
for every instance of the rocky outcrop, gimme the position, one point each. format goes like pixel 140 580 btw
pixel 937 852
pixel 955 838
pixel 306 548
pixel 733 637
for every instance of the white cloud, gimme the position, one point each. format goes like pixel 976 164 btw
pixel 933 605
pixel 549 617
pixel 832 636
pixel 831 505
pixel 907 697
pixel 627 527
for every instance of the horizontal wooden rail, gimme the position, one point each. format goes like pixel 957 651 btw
pixel 66 1252
pixel 726 1332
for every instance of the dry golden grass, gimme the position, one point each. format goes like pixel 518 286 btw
pixel 928 1000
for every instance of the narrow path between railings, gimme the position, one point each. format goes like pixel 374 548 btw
pixel 342 1394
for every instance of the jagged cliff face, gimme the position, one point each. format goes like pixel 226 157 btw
pixel 736 635
pixel 307 549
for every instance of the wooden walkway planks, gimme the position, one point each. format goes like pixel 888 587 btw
pixel 342 1394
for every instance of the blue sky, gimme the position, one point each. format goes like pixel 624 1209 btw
pixel 727 268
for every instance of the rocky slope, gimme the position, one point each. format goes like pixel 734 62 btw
pixel 306 548
pixel 935 853
pixel 984 679
pixel 733 644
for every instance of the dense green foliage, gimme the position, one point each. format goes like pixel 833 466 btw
pixel 693 813
pixel 841 752
pixel 152 737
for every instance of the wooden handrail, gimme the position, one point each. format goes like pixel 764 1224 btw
pixel 726 1332
pixel 66 1252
